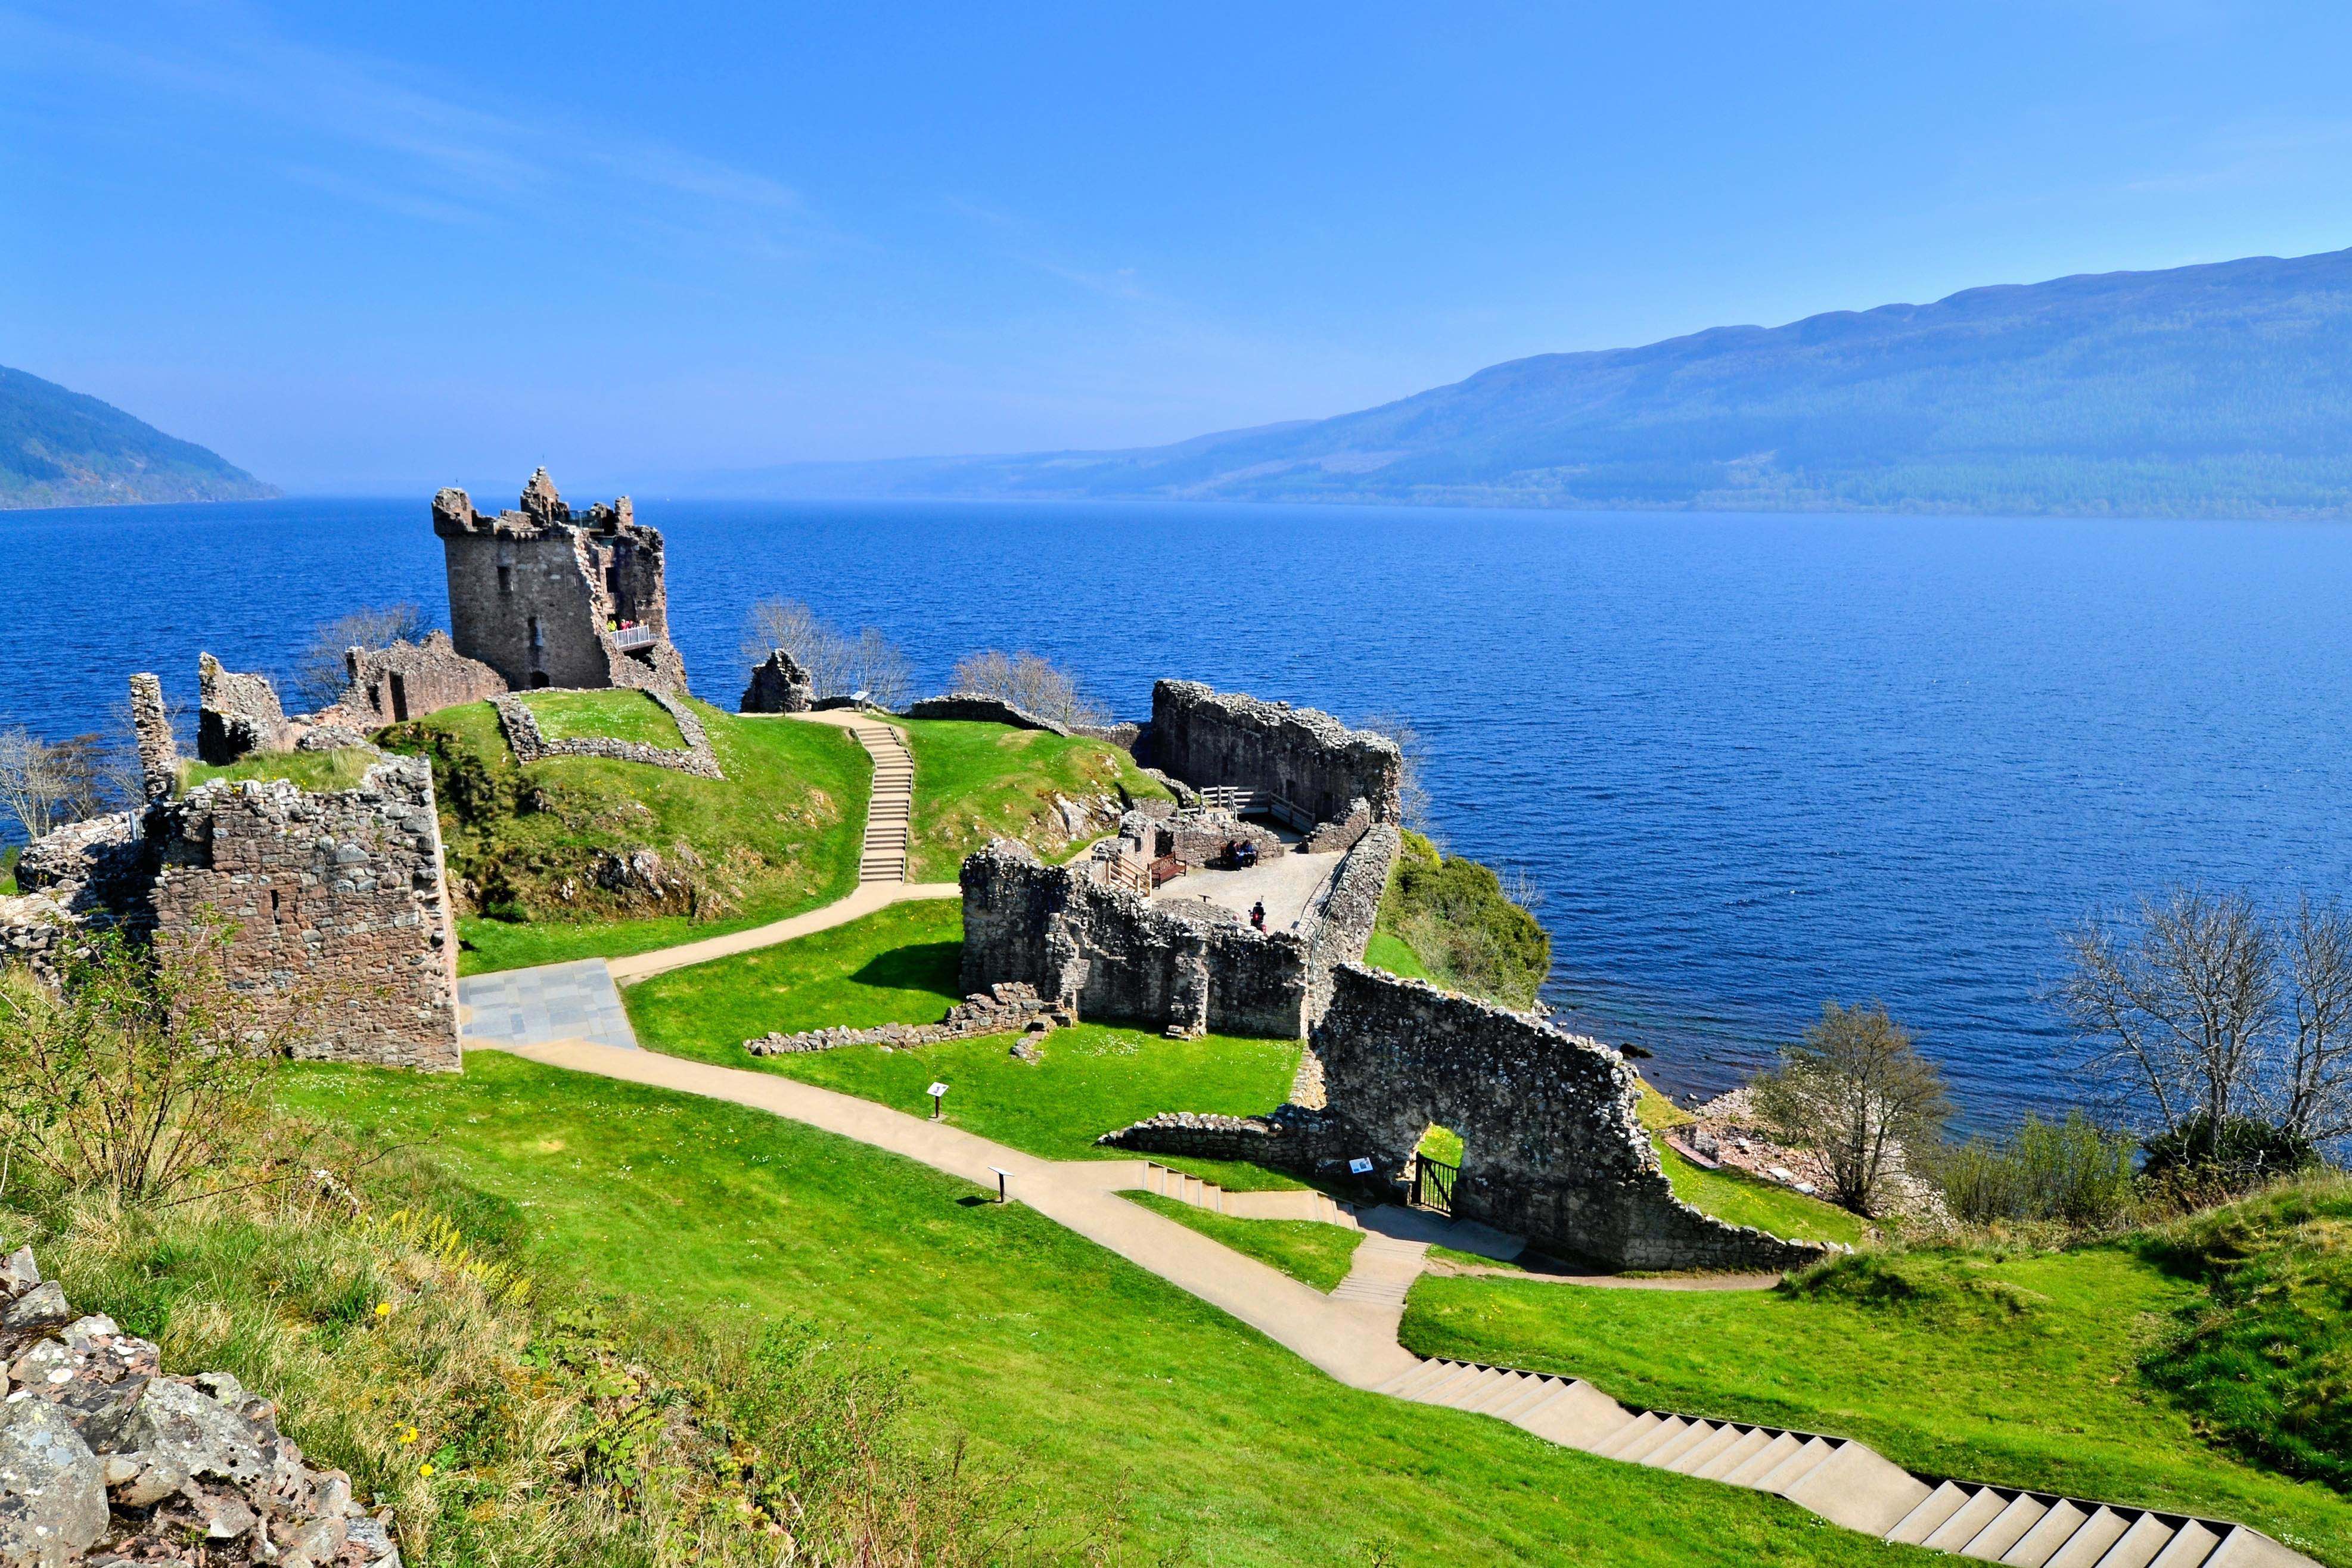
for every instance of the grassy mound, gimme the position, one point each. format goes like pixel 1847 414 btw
pixel 975 782
pixel 1451 916
pixel 1314 1254
pixel 618 715
pixel 1122 1399
pixel 549 861
pixel 319 770
pixel 2017 1368
pixel 1735 1197
pixel 2265 1359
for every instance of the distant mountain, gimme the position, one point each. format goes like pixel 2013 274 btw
pixel 2217 390
pixel 59 448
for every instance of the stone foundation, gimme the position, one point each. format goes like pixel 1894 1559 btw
pixel 999 1009
pixel 523 737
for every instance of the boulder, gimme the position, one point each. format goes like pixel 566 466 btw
pixel 52 1487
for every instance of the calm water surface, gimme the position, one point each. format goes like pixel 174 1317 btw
pixel 1749 761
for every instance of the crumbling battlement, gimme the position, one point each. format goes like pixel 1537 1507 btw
pixel 779 685
pixel 549 596
pixel 1308 757
pixel 1551 1149
pixel 236 715
pixel 409 679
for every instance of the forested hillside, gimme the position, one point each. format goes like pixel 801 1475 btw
pixel 60 448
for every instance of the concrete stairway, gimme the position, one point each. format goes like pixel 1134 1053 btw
pixel 1383 1272
pixel 891 806
pixel 1844 1481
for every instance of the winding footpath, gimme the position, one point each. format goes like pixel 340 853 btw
pixel 1351 1336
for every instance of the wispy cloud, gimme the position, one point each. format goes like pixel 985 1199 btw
pixel 359 129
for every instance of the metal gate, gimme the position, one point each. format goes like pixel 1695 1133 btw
pixel 1433 1183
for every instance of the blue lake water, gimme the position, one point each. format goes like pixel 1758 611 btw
pixel 1751 762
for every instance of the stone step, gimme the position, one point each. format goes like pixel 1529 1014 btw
pixel 1633 1432
pixel 1764 1459
pixel 1750 1444
pixel 1983 1506
pixel 1538 1392
pixel 1463 1374
pixel 1579 1417
pixel 1663 1435
pixel 1697 1435
pixel 1509 1388
pixel 1410 1384
pixel 2243 1548
pixel 2190 1547
pixel 2088 1545
pixel 1809 1458
pixel 1723 1439
pixel 2038 1545
pixel 2147 1536
pixel 2007 1529
pixel 1478 1390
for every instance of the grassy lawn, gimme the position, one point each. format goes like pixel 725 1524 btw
pixel 898 965
pixel 1386 951
pixel 1314 1254
pixel 609 715
pixel 2022 1370
pixel 322 771
pixel 781 833
pixel 975 782
pixel 1105 1385
pixel 1742 1199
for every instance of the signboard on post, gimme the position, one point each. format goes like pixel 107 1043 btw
pixel 1360 1167
pixel 935 1090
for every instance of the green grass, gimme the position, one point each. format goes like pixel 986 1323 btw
pixel 975 782
pixel 1392 953
pixel 1105 1385
pixel 1441 1143
pixel 2022 1370
pixel 342 768
pixel 898 965
pixel 780 834
pixel 1656 1112
pixel 1314 1254
pixel 1741 1199
pixel 617 715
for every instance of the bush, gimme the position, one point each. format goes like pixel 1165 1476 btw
pixel 1030 683
pixel 320 676
pixel 2233 1155
pixel 2071 1172
pixel 1455 916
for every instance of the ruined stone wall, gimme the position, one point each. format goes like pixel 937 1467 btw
pixel 1201 836
pixel 409 679
pixel 337 901
pixel 530 591
pixel 779 685
pixel 1551 1149
pixel 983 710
pixel 236 715
pixel 529 745
pixel 1308 757
pixel 1292 1138
pixel 151 722
pixel 1341 929
pixel 1109 952
pixel 1340 832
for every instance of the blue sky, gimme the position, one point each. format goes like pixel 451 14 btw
pixel 373 248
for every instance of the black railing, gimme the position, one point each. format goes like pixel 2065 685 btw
pixel 1433 1183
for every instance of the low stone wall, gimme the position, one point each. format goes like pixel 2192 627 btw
pixel 778 685
pixel 105 1458
pixel 409 679
pixel 523 737
pixel 1340 832
pixel 1552 1148
pixel 236 715
pixel 1306 757
pixel 1126 734
pixel 983 710
pixel 337 905
pixel 1292 1138
pixel 1201 837
pixel 999 1009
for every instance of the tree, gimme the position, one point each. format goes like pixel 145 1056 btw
pixel 320 676
pixel 44 785
pixel 2202 1013
pixel 1413 780
pixel 1029 683
pixel 1856 1092
pixel 140 1076
pixel 838 665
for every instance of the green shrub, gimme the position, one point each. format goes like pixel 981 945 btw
pixel 1466 930
pixel 2236 1154
pixel 2068 1172
pixel 2265 1361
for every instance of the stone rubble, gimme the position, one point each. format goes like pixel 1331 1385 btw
pixel 999 1009
pixel 105 1459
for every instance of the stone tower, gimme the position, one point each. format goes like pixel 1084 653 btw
pixel 548 597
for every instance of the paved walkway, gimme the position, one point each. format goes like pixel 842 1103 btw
pixel 553 1001
pixel 1289 887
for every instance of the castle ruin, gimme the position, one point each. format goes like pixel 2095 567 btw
pixel 548 597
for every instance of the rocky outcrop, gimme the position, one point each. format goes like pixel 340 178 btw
pixel 106 1459
pixel 779 685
